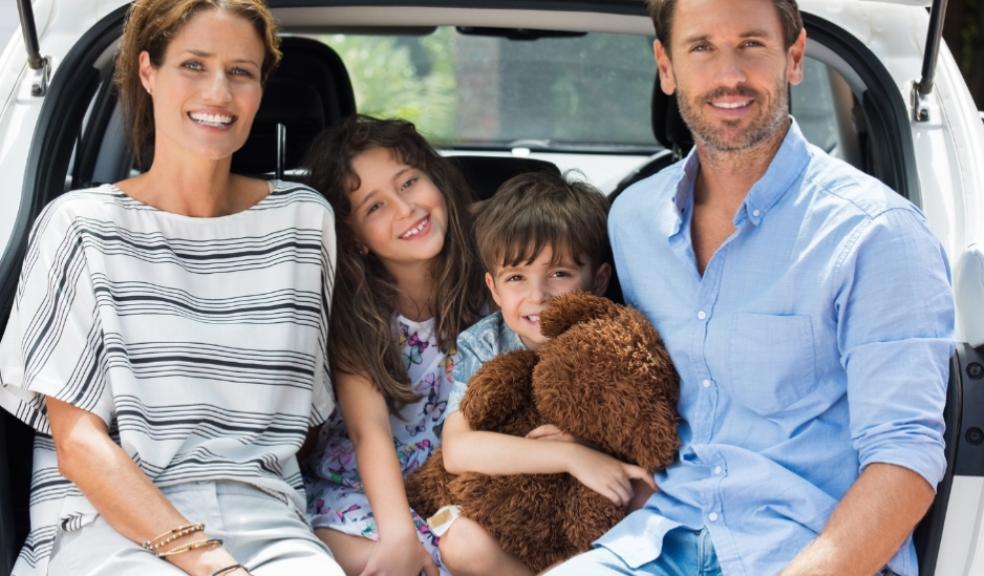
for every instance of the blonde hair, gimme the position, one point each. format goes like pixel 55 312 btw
pixel 150 26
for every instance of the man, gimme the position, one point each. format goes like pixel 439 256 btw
pixel 808 310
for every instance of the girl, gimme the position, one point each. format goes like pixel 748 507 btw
pixel 408 282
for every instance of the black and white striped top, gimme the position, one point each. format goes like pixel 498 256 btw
pixel 199 341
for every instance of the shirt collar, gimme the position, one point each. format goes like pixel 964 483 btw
pixel 684 193
pixel 784 170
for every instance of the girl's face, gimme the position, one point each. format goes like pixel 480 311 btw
pixel 207 89
pixel 397 213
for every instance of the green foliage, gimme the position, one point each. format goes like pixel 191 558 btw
pixel 407 77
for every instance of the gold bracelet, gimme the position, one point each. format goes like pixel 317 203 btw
pixel 171 535
pixel 209 544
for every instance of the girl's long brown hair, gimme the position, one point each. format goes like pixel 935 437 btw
pixel 362 339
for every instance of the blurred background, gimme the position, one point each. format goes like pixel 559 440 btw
pixel 963 30
pixel 964 34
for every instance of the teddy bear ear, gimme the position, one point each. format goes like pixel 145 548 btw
pixel 570 309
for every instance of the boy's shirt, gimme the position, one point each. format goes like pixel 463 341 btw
pixel 485 340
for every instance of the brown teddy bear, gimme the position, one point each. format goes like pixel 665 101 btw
pixel 605 377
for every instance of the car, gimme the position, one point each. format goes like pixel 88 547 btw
pixel 515 85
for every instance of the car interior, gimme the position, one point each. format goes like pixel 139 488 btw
pixel 846 106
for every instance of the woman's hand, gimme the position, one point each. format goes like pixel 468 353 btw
pixel 605 475
pixel 404 556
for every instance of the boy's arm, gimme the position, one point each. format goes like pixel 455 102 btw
pixel 467 450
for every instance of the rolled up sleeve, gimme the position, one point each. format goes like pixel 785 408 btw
pixel 895 334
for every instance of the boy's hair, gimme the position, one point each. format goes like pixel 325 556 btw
pixel 361 339
pixel 532 211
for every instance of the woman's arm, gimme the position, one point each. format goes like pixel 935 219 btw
pixel 119 490
pixel 467 450
pixel 367 422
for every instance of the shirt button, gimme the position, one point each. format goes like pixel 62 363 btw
pixel 718 470
pixel 706 383
pixel 713 516
pixel 701 315
pixel 756 213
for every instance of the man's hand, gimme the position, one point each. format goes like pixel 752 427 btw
pixel 868 526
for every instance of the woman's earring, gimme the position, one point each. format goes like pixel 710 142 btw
pixel 363 250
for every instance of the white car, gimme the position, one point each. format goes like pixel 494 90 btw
pixel 511 85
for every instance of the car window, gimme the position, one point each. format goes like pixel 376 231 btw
pixel 484 90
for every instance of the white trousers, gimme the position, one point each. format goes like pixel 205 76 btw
pixel 267 536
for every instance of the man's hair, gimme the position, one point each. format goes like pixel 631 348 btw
pixel 661 11
pixel 533 211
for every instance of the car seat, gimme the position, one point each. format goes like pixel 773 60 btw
pixel 307 93
pixel 484 174
pixel 670 131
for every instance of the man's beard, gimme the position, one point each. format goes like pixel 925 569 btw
pixel 716 137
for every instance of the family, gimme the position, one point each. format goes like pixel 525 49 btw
pixel 233 376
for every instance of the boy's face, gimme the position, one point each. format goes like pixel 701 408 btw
pixel 522 291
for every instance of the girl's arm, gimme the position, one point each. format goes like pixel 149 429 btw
pixel 467 450
pixel 367 422
pixel 119 490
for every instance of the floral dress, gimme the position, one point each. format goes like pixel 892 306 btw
pixel 335 496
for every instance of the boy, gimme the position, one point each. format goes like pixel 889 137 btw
pixel 538 237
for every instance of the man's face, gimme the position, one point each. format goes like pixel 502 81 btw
pixel 731 71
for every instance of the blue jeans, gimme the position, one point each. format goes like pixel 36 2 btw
pixel 685 553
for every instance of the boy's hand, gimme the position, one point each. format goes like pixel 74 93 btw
pixel 550 432
pixel 607 476
pixel 641 492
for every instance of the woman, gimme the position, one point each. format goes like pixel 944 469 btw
pixel 168 336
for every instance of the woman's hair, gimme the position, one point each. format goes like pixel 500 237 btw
pixel 362 339
pixel 150 26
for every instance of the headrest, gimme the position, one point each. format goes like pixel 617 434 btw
pixel 485 174
pixel 308 92
pixel 668 126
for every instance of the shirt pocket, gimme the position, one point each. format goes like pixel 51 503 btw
pixel 772 360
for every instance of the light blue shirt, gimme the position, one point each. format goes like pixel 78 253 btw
pixel 480 343
pixel 815 343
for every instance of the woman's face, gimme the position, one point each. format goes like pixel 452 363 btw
pixel 207 89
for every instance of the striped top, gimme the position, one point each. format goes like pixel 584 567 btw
pixel 199 341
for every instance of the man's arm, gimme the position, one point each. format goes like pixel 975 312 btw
pixel 869 525
pixel 895 336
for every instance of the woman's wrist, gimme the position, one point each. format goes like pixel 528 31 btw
pixel 205 562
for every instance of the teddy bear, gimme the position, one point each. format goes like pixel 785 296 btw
pixel 603 376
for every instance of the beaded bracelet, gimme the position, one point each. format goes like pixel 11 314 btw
pixel 229 569
pixel 171 535
pixel 210 544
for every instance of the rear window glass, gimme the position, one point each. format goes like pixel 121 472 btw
pixel 484 90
